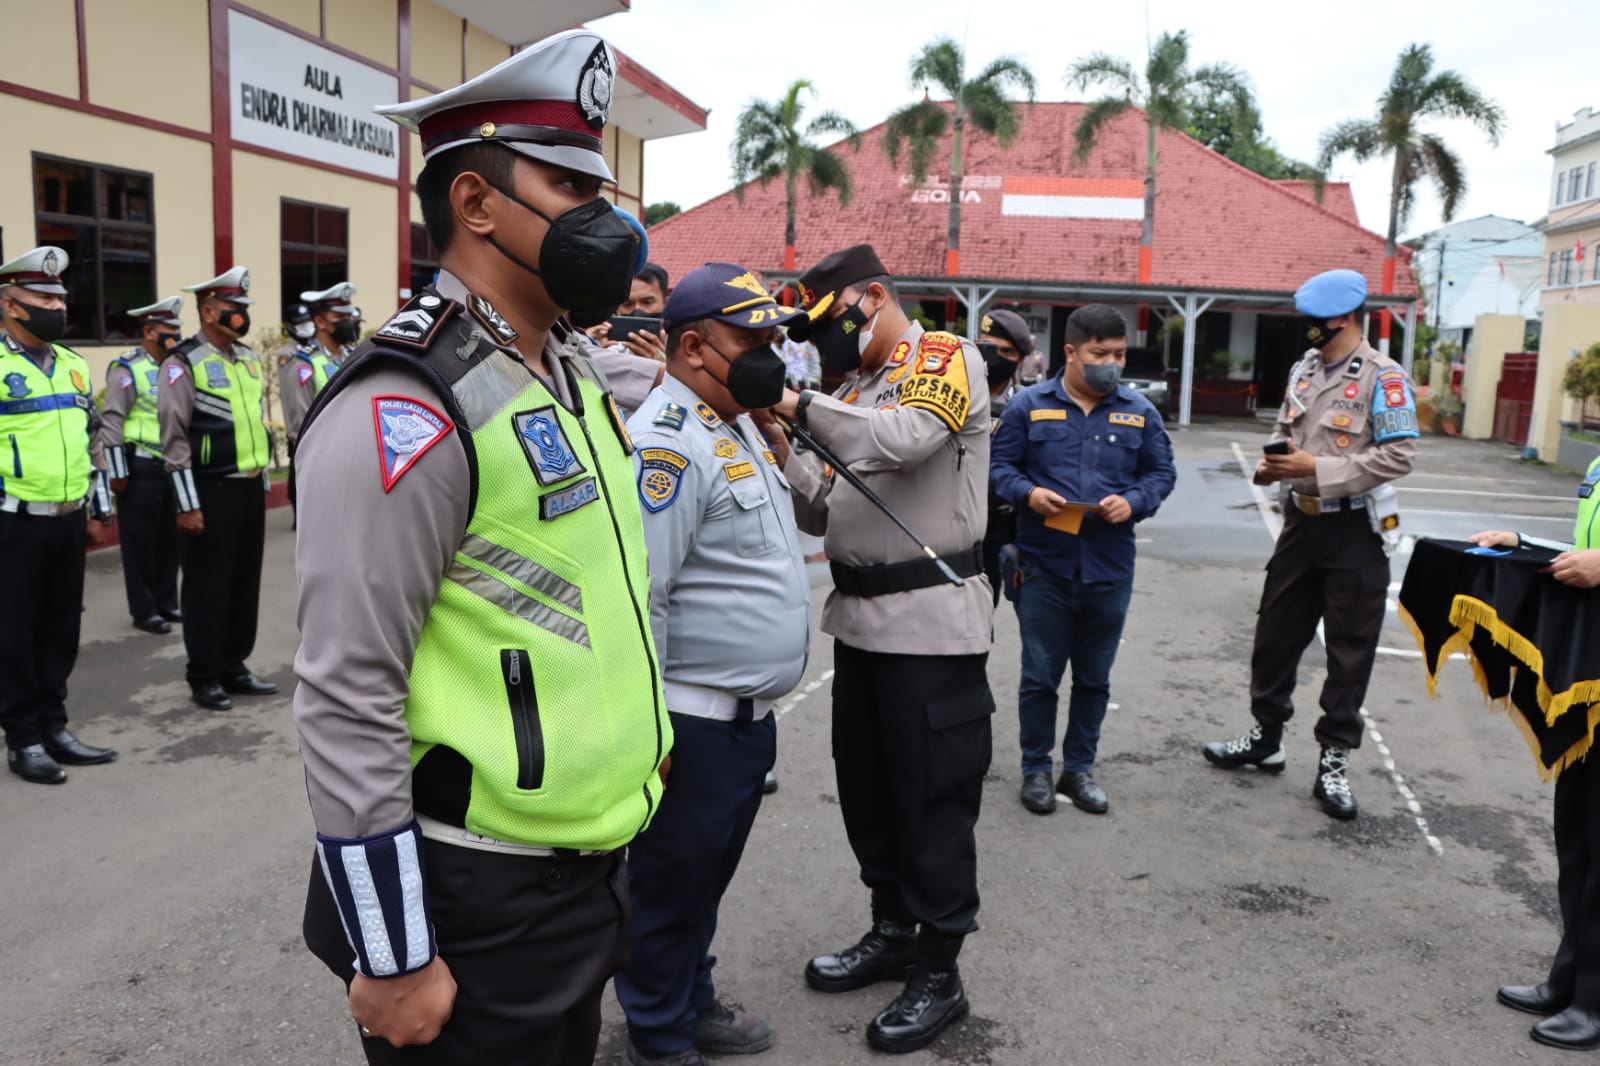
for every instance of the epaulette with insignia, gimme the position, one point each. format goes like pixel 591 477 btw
pixel 415 324
pixel 671 416
pixel 704 413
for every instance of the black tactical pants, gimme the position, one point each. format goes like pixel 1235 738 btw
pixel 911 743
pixel 147 533
pixel 1329 568
pixel 222 577
pixel 1576 968
pixel 40 618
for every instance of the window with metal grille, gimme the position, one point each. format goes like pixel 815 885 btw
pixel 104 219
pixel 314 249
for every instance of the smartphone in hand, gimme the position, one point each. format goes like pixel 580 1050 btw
pixel 622 325
pixel 1275 447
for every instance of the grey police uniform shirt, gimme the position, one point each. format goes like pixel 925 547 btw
pixel 296 395
pixel 935 479
pixel 629 377
pixel 730 602
pixel 117 402
pixel 175 402
pixel 370 566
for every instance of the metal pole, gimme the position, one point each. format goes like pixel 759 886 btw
pixel 1186 389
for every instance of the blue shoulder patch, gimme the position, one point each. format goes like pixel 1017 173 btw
pixel 660 477
pixel 1394 409
pixel 671 416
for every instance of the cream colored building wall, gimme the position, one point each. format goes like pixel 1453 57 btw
pixel 1492 337
pixel 49 61
pixel 627 164
pixel 1568 328
pixel 484 50
pixel 181 169
pixel 435 44
pixel 259 184
pixel 367 27
pixel 121 37
pixel 301 14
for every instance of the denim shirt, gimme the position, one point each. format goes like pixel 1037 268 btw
pixel 1121 448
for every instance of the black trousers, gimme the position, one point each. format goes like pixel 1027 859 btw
pixel 911 743
pixel 678 870
pixel 529 941
pixel 222 577
pixel 1328 568
pixel 148 534
pixel 1576 968
pixel 40 617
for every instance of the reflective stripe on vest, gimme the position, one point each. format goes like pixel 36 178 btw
pixel 536 663
pixel 1587 534
pixel 44 427
pixel 141 426
pixel 226 431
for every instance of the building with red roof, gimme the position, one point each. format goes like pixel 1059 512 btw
pixel 1043 233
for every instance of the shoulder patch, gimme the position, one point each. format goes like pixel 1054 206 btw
pixel 304 373
pixel 704 413
pixel 660 477
pixel 670 416
pixel 174 372
pixel 124 380
pixel 1395 418
pixel 406 429
pixel 1127 418
pixel 938 383
pixel 1392 375
pixel 738 471
pixel 1047 414
pixel 545 444
pixel 415 324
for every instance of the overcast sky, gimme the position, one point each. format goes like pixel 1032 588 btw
pixel 1311 66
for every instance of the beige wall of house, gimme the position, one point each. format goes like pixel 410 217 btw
pixel 1492 337
pixel 1568 330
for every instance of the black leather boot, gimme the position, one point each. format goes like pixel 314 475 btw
pixel 1256 749
pixel 932 1001
pixel 884 954
pixel 1333 784
pixel 1575 1028
pixel 1534 999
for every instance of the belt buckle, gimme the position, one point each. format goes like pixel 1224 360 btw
pixel 1309 505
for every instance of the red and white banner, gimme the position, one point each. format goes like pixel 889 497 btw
pixel 1117 199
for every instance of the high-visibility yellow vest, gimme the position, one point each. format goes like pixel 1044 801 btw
pixel 45 421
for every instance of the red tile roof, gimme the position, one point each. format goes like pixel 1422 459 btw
pixel 1218 225
pixel 1336 197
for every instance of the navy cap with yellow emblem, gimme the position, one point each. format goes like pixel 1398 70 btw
pixel 820 286
pixel 38 270
pixel 550 102
pixel 727 293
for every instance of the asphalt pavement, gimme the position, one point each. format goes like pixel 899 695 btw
pixel 153 906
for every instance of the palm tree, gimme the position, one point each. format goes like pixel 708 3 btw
pixel 1415 93
pixel 769 143
pixel 983 101
pixel 1167 93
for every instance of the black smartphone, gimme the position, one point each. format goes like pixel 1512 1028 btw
pixel 1275 447
pixel 622 325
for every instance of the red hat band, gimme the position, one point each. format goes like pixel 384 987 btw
pixel 539 121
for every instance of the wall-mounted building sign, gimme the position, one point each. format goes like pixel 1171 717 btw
pixel 297 97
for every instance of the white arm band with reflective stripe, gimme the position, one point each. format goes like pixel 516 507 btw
pixel 99 496
pixel 378 886
pixel 117 460
pixel 1540 542
pixel 183 490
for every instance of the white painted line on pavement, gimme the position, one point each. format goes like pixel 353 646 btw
pixel 1484 492
pixel 802 694
pixel 1479 514
pixel 1274 525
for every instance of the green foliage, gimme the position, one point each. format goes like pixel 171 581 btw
pixel 1423 336
pixel 1582 378
pixel 1530 339
pixel 1415 95
pixel 660 212
pixel 1230 125
pixel 770 142
pixel 986 102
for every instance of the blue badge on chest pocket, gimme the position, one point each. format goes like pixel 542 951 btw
pixel 216 375
pixel 151 377
pixel 18 386
pixel 545 444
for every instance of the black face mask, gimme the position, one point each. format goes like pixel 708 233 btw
pixel 46 323
pixel 839 340
pixel 167 341
pixel 755 379
pixel 344 331
pixel 587 257
pixel 996 367
pixel 1317 333
pixel 237 322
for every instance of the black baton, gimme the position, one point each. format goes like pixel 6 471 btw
pixel 873 498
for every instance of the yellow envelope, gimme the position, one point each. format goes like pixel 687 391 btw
pixel 1071 517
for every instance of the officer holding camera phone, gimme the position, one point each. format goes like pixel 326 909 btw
pixel 1347 428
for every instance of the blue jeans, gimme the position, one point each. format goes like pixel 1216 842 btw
pixel 1080 621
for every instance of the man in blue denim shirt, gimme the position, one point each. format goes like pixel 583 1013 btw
pixel 1079 437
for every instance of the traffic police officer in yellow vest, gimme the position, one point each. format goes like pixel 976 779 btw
pixel 216 448
pixel 131 436
pixel 1569 996
pixel 51 471
pixel 479 702
pixel 307 370
pixel 911 701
